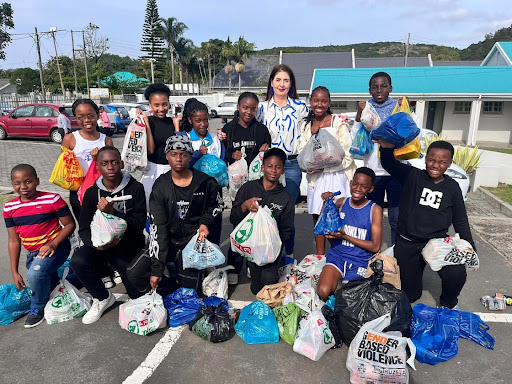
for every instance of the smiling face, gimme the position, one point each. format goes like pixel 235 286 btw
pixel 178 160
pixel 281 83
pixel 86 117
pixel 200 123
pixel 360 186
pixel 320 102
pixel 273 168
pixel 159 104
pixel 380 89
pixel 25 184
pixel 437 161
pixel 247 110
pixel 109 164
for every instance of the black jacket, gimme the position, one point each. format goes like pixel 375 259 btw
pixel 427 209
pixel 132 210
pixel 278 200
pixel 165 232
pixel 257 132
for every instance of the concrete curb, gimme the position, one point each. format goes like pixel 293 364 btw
pixel 495 201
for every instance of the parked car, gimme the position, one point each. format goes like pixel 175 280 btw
pixel 174 108
pixel 122 117
pixel 225 109
pixel 132 108
pixel 5 107
pixel 32 120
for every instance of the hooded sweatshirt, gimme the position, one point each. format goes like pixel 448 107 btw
pixel 132 210
pixel 250 138
pixel 278 200
pixel 427 209
pixel 170 227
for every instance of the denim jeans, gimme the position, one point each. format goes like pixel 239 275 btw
pixel 42 274
pixel 393 190
pixel 293 176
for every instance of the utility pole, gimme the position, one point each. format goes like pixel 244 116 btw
pixel 152 71
pixel 407 49
pixel 52 31
pixel 85 63
pixel 43 92
pixel 74 63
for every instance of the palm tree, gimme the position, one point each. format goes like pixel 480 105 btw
pixel 183 49
pixel 228 54
pixel 242 50
pixel 207 49
pixel 172 30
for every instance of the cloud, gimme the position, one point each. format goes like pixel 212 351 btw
pixel 455 15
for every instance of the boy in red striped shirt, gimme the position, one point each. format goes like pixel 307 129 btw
pixel 42 223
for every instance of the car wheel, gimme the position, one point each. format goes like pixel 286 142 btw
pixel 3 133
pixel 213 114
pixel 56 136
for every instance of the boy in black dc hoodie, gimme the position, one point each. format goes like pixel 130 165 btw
pixel 431 202
pixel 265 191
pixel 183 201
pixel 87 260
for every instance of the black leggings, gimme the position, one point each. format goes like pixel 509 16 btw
pixel 411 263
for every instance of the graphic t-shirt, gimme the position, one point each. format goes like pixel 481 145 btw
pixel 182 200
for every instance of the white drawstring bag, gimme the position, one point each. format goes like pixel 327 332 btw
pixel 216 283
pixel 66 302
pixel 439 253
pixel 379 357
pixel 314 337
pixel 143 315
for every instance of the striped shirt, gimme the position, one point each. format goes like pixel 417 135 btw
pixel 36 221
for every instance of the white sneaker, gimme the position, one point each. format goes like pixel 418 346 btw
pixel 232 279
pixel 117 278
pixel 97 309
pixel 107 282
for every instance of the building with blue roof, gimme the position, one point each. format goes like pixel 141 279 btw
pixel 499 55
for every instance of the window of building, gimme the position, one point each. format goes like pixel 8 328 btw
pixel 338 105
pixel 493 107
pixel 462 107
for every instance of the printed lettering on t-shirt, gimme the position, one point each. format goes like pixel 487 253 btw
pixel 431 198
pixel 244 143
pixel 358 233
pixel 182 208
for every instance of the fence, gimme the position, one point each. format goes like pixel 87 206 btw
pixel 14 100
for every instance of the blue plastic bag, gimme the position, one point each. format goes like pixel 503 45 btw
pixel 199 253
pixel 182 306
pixel 13 303
pixel 329 219
pixel 257 324
pixel 214 301
pixel 214 167
pixel 472 327
pixel 398 129
pixel 435 332
pixel 362 144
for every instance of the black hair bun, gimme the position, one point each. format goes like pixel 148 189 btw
pixel 156 88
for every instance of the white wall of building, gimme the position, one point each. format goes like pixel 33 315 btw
pixel 455 125
pixel 496 127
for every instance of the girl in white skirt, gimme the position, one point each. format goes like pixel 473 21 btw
pixel 331 179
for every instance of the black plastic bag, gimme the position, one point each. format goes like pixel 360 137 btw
pixel 367 299
pixel 333 325
pixel 213 323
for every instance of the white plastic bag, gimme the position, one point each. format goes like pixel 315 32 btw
pixel 134 152
pixel 143 315
pixel 309 268
pixel 216 283
pixel 379 357
pixel 255 168
pixel 450 251
pixel 306 297
pixel 321 151
pixel 237 175
pixel 106 227
pixel 314 337
pixel 66 302
pixel 257 238
pixel 369 117
pixel 199 253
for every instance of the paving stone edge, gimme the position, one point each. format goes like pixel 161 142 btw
pixel 495 201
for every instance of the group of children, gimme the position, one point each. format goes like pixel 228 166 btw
pixel 181 201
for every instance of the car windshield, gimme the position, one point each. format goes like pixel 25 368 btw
pixel 69 111
pixel 123 112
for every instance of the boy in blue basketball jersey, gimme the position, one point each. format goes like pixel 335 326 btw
pixel 354 245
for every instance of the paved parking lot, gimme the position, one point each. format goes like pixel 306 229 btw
pixel 104 353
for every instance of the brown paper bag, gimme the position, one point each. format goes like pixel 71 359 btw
pixel 391 269
pixel 273 295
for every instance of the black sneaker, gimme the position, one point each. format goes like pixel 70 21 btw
pixel 34 318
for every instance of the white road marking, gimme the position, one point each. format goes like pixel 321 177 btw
pixel 495 317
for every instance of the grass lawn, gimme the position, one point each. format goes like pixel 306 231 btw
pixel 503 191
pixel 501 150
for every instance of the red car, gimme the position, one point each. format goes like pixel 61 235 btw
pixel 35 120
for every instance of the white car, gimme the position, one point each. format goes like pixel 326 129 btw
pixel 132 108
pixel 225 109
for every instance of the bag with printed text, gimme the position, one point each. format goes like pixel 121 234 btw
pixel 67 172
pixel 309 268
pixel 201 254
pixel 375 356
pixel 439 253
pixel 237 175
pixel 134 154
pixel 66 302
pixel 255 168
pixel 321 151
pixel 369 117
pixel 256 237
pixel 214 167
pixel 143 315
pixel 314 337
pixel 306 296
pixel 257 324
pixel 330 219
pixel 13 303
pixel 216 283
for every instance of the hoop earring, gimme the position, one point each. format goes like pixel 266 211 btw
pixel 271 91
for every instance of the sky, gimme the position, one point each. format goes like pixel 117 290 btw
pixel 267 23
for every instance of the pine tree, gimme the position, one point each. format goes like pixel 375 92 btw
pixel 152 42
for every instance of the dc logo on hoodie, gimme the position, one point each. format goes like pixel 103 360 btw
pixel 431 198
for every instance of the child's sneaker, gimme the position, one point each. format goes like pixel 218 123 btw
pixel 34 318
pixel 117 278
pixel 97 309
pixel 107 282
pixel 232 278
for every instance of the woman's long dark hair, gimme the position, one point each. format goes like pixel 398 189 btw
pixel 282 68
